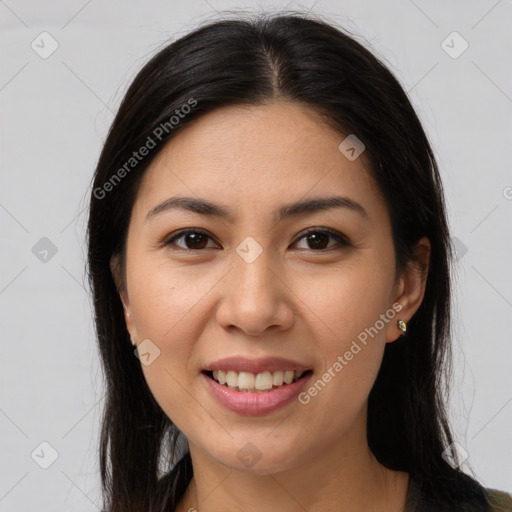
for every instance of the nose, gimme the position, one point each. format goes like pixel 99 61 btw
pixel 255 298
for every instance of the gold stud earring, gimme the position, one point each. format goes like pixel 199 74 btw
pixel 402 325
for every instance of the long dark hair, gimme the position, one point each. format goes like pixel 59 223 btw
pixel 251 60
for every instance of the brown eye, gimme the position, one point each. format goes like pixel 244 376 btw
pixel 192 239
pixel 318 239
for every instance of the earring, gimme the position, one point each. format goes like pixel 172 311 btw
pixel 402 325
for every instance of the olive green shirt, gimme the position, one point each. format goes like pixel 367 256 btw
pixel 500 501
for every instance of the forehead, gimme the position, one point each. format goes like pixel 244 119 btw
pixel 256 155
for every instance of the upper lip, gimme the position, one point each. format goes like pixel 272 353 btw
pixel 267 364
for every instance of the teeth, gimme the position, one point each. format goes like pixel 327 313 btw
pixel 246 381
pixel 263 381
pixel 278 378
pixel 232 379
pixel 288 377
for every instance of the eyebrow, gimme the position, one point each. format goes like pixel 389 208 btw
pixel 204 207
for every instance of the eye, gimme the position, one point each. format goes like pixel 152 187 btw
pixel 194 239
pixel 317 238
pixel 197 239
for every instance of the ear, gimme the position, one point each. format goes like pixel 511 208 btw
pixel 115 268
pixel 410 289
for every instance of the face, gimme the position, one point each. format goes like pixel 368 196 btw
pixel 261 281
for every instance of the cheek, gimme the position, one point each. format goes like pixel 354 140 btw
pixel 347 302
pixel 169 306
pixel 349 333
pixel 164 306
pixel 165 299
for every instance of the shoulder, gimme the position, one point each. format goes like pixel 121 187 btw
pixel 474 498
pixel 500 501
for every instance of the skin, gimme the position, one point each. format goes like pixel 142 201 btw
pixel 198 305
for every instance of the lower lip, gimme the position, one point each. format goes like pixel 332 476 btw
pixel 253 404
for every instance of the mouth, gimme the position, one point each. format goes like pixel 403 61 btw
pixel 263 382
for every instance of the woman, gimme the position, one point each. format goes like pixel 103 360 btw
pixel 267 227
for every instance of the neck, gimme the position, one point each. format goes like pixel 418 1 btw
pixel 345 477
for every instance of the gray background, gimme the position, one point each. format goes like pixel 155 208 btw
pixel 55 113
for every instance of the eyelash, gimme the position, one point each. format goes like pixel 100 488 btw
pixel 342 241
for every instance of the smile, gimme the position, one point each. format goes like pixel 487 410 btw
pixel 255 383
pixel 249 400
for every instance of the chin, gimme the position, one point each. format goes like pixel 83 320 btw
pixel 251 460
